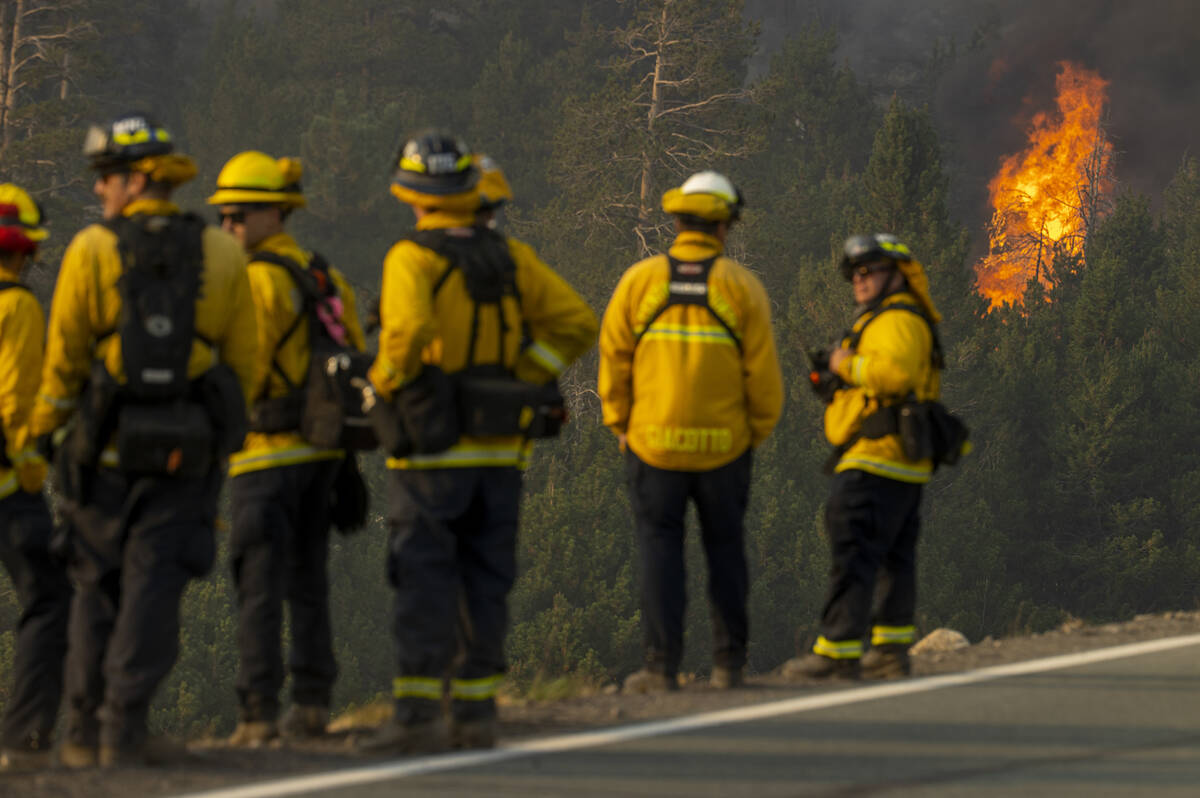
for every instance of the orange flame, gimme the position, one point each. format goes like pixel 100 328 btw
pixel 1045 198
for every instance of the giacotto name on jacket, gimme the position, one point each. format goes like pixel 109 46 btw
pixel 689 439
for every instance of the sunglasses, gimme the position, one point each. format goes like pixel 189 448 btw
pixel 866 269
pixel 236 217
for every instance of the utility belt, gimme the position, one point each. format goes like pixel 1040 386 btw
pixel 430 413
pixel 927 431
pixel 182 437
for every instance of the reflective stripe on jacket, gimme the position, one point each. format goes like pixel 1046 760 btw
pixel 277 300
pixel 687 396
pixel 892 360
pixel 419 328
pixel 22 333
pixel 87 304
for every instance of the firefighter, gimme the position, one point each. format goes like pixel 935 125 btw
pixel 152 312
pixel 461 299
pixel 280 483
pixel 40 581
pixel 890 354
pixel 690 384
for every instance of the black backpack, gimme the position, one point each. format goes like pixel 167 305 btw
pixel 326 407
pixel 163 424
pixel 489 399
pixel 429 413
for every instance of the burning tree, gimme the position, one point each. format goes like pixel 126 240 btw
pixel 1047 198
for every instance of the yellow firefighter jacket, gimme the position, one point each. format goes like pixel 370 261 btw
pixel 22 328
pixel 87 304
pixel 277 300
pixel 893 359
pixel 418 328
pixel 686 396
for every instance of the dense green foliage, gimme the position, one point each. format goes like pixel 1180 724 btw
pixel 1080 498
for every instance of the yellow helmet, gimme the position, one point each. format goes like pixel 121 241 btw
pixel 21 220
pixel 709 196
pixel 253 178
pixel 494 189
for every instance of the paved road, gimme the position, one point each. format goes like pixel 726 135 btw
pixel 1128 726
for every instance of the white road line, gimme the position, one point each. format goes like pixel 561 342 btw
pixel 570 742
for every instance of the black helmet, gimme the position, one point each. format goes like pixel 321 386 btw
pixel 863 249
pixel 437 163
pixel 127 139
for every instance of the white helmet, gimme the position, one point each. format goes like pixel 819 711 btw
pixel 707 195
pixel 710 182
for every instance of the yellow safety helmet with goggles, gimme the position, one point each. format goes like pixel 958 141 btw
pixel 862 253
pixel 21 220
pixel 708 196
pixel 136 143
pixel 255 178
pixel 436 171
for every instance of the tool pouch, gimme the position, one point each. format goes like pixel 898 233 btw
pixel 421 419
pixel 507 406
pixel 174 439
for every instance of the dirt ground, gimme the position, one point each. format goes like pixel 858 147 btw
pixel 209 764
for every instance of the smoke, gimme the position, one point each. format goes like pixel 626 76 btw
pixel 1002 70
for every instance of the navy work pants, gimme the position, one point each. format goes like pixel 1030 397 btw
pixel 873 524
pixel 659 500
pixel 136 542
pixel 278 550
pixel 452 562
pixel 44 595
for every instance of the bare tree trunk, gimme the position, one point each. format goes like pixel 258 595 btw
pixel 66 72
pixel 10 24
pixel 656 101
pixel 10 77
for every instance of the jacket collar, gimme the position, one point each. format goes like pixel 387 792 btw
pixel 693 245
pixel 438 220
pixel 277 242
pixel 151 207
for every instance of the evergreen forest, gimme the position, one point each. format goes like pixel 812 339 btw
pixel 1081 498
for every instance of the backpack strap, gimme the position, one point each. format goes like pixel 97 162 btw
pixel 688 286
pixel 937 356
pixel 309 282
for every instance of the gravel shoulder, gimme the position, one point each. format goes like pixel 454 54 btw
pixel 209 764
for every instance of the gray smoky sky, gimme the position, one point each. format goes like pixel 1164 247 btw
pixel 1003 69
